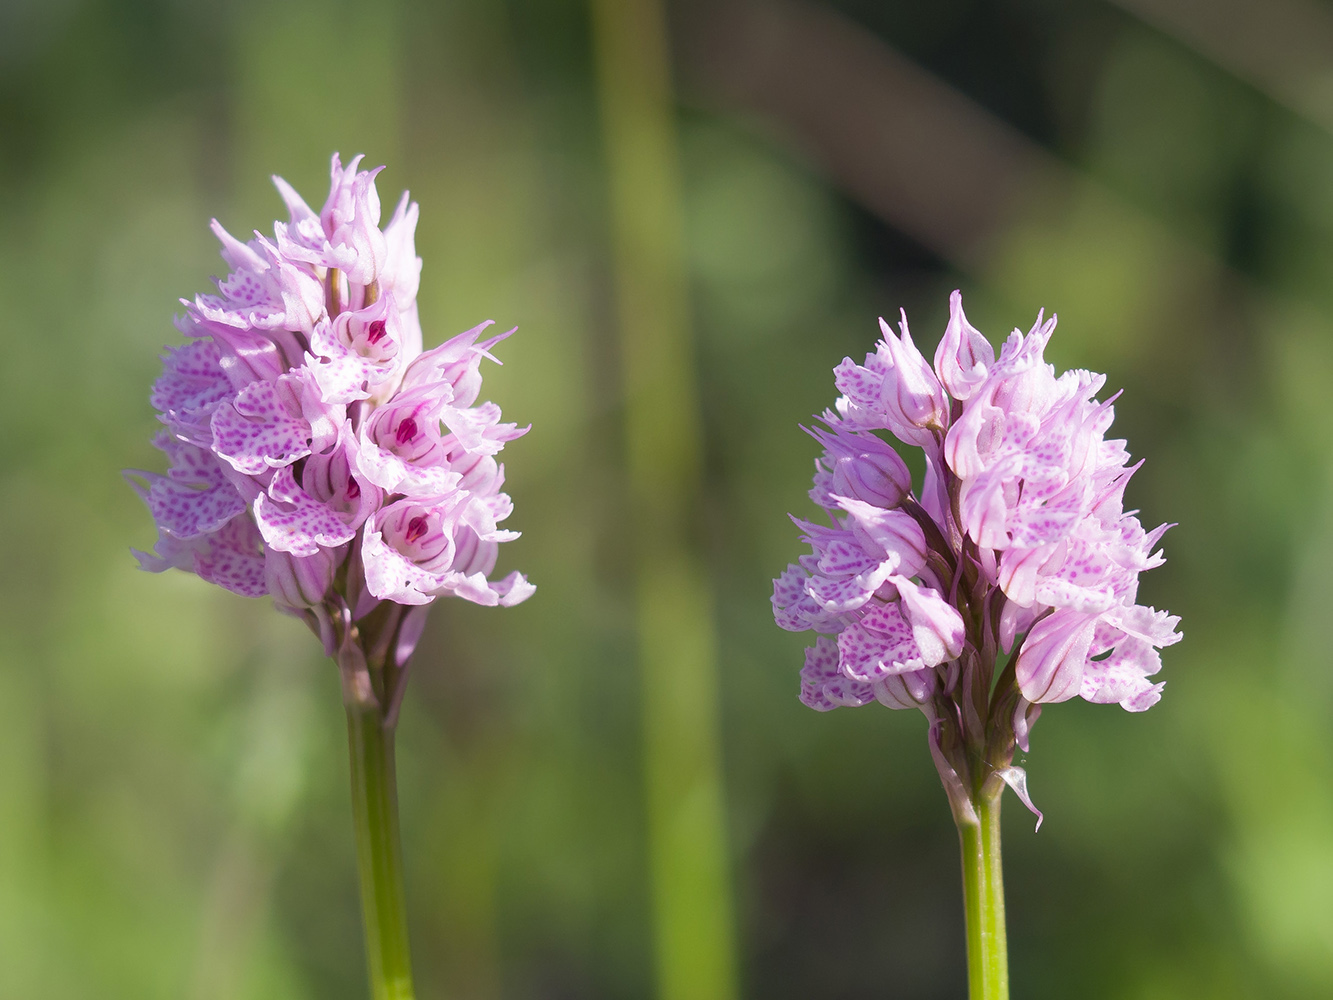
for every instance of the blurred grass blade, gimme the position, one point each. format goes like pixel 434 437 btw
pixel 677 643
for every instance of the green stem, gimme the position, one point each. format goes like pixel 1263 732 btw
pixel 378 853
pixel 983 901
pixel 688 853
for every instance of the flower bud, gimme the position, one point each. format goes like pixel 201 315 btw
pixel 865 468
pixel 351 219
pixel 300 582
pixel 912 398
pixel 910 690
pixel 964 355
pixel 1051 661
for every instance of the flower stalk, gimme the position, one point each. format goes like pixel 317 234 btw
pixel 379 854
pixel 975 763
pixel 373 660
pixel 983 899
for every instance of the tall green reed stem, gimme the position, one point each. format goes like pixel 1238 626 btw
pixel 688 854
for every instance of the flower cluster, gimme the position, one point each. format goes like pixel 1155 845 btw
pixel 1017 543
pixel 315 452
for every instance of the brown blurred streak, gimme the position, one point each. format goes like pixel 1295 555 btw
pixel 922 156
pixel 1284 48
pixel 935 165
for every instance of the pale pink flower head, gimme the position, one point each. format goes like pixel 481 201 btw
pixel 1008 582
pixel 315 452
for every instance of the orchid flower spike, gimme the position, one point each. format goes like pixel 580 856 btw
pixel 315 452
pixel 1017 543
pixel 1007 582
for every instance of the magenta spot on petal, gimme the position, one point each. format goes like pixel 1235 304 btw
pixel 415 528
pixel 407 430
pixel 376 332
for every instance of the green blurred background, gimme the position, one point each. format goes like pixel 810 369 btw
pixel 174 819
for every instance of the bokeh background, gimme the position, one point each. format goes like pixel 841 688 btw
pixel 174 819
